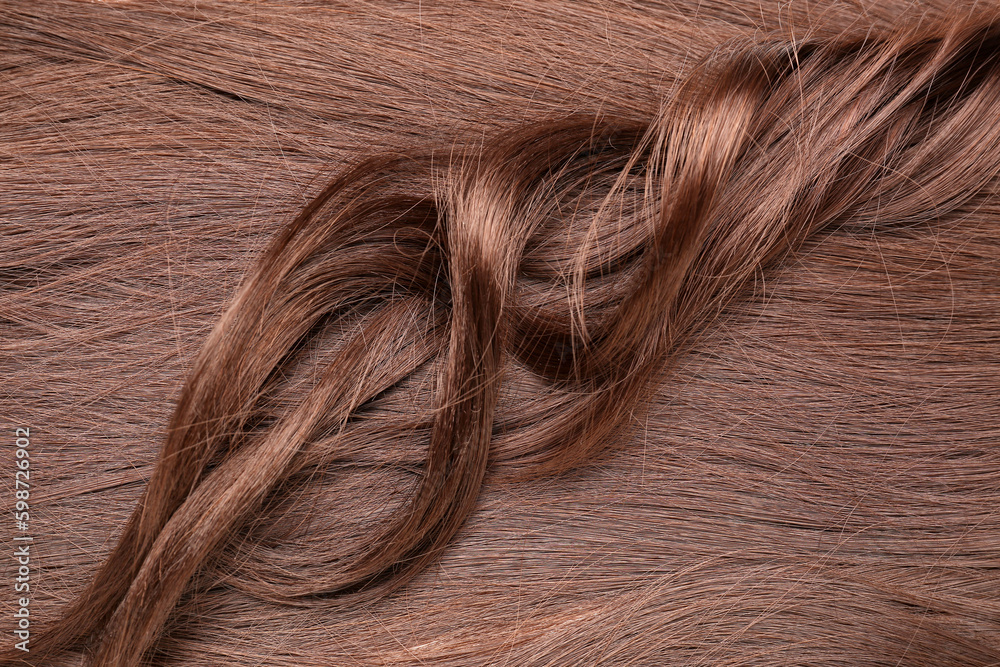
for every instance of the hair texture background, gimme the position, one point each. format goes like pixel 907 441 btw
pixel 815 480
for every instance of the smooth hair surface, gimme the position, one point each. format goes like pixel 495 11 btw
pixel 537 334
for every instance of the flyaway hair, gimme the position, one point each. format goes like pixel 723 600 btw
pixel 475 326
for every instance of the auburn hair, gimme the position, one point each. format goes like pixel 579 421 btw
pixel 538 334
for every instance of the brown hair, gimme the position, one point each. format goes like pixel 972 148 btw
pixel 702 373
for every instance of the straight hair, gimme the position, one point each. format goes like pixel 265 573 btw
pixel 697 366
